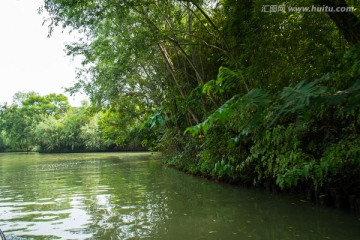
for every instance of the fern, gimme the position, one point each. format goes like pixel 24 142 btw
pixel 222 113
pixel 251 103
pixel 297 99
pixel 225 82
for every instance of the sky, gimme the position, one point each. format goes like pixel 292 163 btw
pixel 29 60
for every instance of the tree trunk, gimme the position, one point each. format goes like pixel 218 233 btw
pixel 171 68
pixel 347 22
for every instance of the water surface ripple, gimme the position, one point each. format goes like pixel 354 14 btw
pixel 132 196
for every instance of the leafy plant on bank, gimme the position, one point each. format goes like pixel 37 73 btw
pixel 286 143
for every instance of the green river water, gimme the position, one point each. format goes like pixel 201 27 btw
pixel 132 196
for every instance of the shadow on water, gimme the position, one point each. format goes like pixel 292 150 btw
pixel 132 196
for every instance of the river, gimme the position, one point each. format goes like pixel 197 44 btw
pixel 132 196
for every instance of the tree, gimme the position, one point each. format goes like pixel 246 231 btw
pixel 347 22
pixel 48 135
pixel 92 136
pixel 20 119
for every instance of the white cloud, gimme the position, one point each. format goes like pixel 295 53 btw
pixel 29 61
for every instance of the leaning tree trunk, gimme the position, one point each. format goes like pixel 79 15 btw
pixel 347 22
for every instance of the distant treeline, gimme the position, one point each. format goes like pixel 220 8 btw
pixel 49 124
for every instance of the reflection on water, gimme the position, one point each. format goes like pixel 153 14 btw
pixel 131 196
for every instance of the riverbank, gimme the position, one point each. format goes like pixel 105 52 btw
pixel 326 197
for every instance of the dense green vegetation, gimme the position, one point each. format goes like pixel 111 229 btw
pixel 49 124
pixel 223 88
